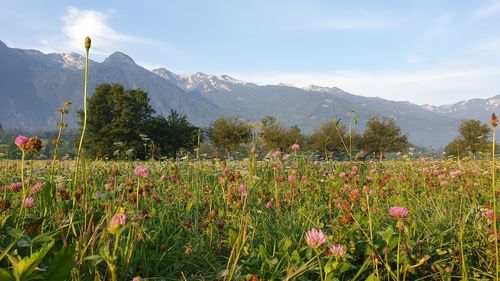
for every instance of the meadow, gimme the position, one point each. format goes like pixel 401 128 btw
pixel 283 218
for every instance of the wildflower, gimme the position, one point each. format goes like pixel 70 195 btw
pixel 277 154
pixel 34 144
pixel 21 141
pixel 16 187
pixel 243 189
pixel 443 183
pixel 4 205
pixel 269 205
pixel 137 278
pixel 354 195
pixel 28 202
pixel 62 192
pixel 295 146
pixel 373 171
pixel 36 188
pixel 342 175
pixel 141 172
pixel 337 250
pixel 494 120
pixel 2 188
pixel 315 238
pixel 398 212
pixel 117 221
pixel 455 174
pixel 425 170
pixel 163 178
pixel 291 178
pixel 489 214
pixel 155 196
pixel 107 187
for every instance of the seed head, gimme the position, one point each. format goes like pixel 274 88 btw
pixel 494 120
pixel 34 144
pixel 87 43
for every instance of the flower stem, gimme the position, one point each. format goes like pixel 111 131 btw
pixel 493 187
pixel 397 258
pixel 22 182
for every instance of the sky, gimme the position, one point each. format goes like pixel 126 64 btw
pixel 422 51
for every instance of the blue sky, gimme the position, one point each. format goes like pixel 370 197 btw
pixel 422 51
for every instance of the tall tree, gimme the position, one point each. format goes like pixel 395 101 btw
pixel 172 133
pixel 116 115
pixel 383 135
pixel 473 137
pixel 228 132
pixel 278 136
pixel 331 136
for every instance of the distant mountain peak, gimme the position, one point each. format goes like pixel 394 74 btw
pixel 73 60
pixel 119 57
pixel 316 88
pixel 2 44
pixel 209 83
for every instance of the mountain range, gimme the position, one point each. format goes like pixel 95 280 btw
pixel 33 85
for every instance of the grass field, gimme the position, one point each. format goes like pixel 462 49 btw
pixel 248 220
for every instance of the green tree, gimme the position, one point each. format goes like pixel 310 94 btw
pixel 229 132
pixel 473 137
pixel 329 137
pixel 116 115
pixel 275 135
pixel 172 133
pixel 383 135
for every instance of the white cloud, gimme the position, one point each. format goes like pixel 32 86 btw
pixel 431 86
pixel 493 7
pixel 77 24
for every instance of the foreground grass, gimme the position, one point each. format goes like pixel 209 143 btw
pixel 247 220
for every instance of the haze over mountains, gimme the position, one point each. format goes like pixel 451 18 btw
pixel 33 85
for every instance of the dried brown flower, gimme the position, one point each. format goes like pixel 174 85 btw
pixel 34 144
pixel 494 120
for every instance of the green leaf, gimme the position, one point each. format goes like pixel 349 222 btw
pixel 330 266
pixel 23 268
pixel 295 257
pixel 3 220
pixel 61 265
pixel 286 244
pixel 41 239
pixel 24 242
pixel 5 275
pixel 14 232
pixel 372 277
pixel 386 234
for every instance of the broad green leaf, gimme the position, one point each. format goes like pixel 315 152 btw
pixel 5 275
pixel 61 265
pixel 25 267
pixel 286 244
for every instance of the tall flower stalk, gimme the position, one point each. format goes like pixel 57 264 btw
pixel 494 123
pixel 87 48
pixel 21 142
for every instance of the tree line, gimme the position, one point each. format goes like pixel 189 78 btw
pixel 121 124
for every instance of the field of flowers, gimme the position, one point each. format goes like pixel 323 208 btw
pixel 275 219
